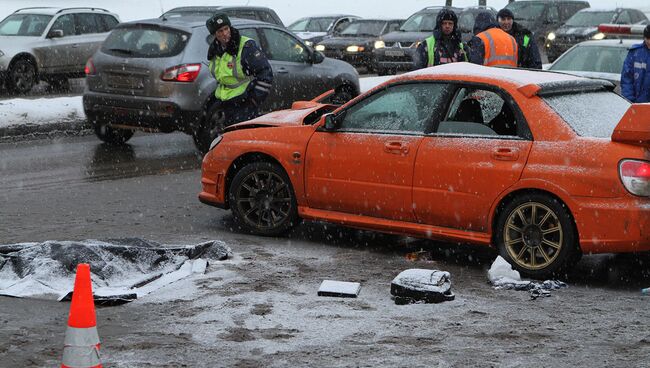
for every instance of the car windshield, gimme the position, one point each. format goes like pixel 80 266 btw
pixel 145 42
pixel 526 10
pixel 590 18
pixel 312 24
pixel 24 25
pixel 591 114
pixel 600 59
pixel 420 22
pixel 364 28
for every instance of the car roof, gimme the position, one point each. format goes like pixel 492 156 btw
pixel 438 8
pixel 49 10
pixel 377 20
pixel 478 8
pixel 329 16
pixel 623 42
pixel 188 23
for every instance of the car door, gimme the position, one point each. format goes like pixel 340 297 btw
pixel 90 35
pixel 58 52
pixel 477 151
pixel 365 165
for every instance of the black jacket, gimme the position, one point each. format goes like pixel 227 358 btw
pixel 447 47
pixel 253 62
pixel 528 56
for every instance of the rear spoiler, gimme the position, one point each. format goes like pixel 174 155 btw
pixel 634 127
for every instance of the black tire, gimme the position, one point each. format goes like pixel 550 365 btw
pixel 212 126
pixel 108 134
pixel 21 77
pixel 536 234
pixel 343 94
pixel 262 199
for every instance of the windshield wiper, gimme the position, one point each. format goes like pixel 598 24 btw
pixel 124 51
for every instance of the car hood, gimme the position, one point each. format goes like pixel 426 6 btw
pixel 345 41
pixel 15 42
pixel 295 116
pixel 310 35
pixel 406 36
pixel 576 31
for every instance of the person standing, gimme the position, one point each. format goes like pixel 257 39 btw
pixel 243 72
pixel 528 55
pixel 444 45
pixel 491 46
pixel 635 78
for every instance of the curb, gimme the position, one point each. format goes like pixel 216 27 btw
pixel 35 131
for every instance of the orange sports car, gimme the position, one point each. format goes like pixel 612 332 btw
pixel 543 166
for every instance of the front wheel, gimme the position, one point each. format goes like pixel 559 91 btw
pixel 262 199
pixel 535 233
pixel 22 76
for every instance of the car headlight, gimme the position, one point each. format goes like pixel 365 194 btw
pixel 215 142
pixel 598 36
pixel 551 36
pixel 415 45
pixel 379 44
pixel 309 43
pixel 320 47
pixel 355 48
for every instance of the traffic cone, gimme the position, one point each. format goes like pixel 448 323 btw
pixel 81 344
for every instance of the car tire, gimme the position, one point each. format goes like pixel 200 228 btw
pixel 109 134
pixel 262 199
pixel 22 76
pixel 213 125
pixel 536 234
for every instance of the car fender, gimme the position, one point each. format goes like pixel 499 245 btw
pixel 29 56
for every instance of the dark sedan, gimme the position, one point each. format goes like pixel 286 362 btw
pixel 356 43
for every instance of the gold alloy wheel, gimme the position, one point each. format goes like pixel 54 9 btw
pixel 533 236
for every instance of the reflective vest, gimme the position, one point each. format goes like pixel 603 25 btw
pixel 228 72
pixel 500 48
pixel 431 48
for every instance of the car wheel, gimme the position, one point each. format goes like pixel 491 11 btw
pixel 262 199
pixel 109 134
pixel 535 233
pixel 212 126
pixel 22 76
pixel 343 94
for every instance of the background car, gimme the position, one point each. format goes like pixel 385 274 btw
pixel 315 29
pixel 50 44
pixel 544 16
pixel 356 42
pixel 261 13
pixel 152 75
pixel 583 26
pixel 523 170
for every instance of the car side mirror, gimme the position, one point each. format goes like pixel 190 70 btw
pixel 55 33
pixel 330 122
pixel 317 57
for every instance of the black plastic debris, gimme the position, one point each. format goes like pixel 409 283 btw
pixel 106 301
pixel 341 289
pixel 421 286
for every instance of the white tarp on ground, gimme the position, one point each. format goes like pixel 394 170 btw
pixel 118 266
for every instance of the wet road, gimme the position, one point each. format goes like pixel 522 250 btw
pixel 260 309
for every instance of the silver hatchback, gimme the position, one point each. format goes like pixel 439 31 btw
pixel 50 44
pixel 152 75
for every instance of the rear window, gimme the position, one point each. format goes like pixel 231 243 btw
pixel 587 58
pixel 591 114
pixel 145 42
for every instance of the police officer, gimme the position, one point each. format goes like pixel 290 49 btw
pixel 635 78
pixel 491 45
pixel 244 78
pixel 444 45
pixel 528 56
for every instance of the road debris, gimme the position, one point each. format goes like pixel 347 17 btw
pixel 421 286
pixel 503 277
pixel 341 289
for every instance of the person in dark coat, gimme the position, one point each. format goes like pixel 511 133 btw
pixel 528 52
pixel 444 46
pixel 501 51
pixel 635 77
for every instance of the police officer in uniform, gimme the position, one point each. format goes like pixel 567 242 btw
pixel 444 45
pixel 528 52
pixel 635 77
pixel 491 46
pixel 243 74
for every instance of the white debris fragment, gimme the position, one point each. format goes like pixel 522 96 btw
pixel 339 289
pixel 501 272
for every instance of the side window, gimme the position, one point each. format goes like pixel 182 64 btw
pixel 108 22
pixel 284 47
pixel 392 27
pixel 266 17
pixel 66 24
pixel 552 15
pixel 86 23
pixel 340 25
pixel 252 33
pixel 624 18
pixel 245 14
pixel 403 108
pixel 479 112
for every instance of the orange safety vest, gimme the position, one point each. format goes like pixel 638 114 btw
pixel 500 48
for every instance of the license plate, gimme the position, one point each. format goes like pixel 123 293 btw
pixel 125 81
pixel 394 53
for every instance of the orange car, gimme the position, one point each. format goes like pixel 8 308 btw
pixel 541 165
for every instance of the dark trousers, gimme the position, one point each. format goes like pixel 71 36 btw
pixel 236 113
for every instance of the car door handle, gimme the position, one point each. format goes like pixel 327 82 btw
pixel 505 154
pixel 396 148
pixel 282 70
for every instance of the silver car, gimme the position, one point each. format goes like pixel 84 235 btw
pixel 50 44
pixel 152 75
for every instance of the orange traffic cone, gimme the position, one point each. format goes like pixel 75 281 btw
pixel 81 344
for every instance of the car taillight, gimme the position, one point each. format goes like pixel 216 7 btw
pixel 90 67
pixel 635 176
pixel 182 73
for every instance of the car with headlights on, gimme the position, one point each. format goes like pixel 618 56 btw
pixel 355 43
pixel 583 26
pixel 50 44
pixel 542 166
pixel 152 76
